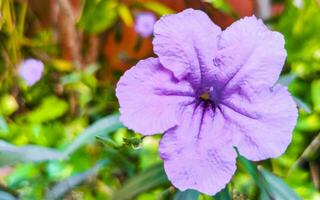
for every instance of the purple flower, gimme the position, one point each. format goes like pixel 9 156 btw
pixel 144 23
pixel 31 70
pixel 210 91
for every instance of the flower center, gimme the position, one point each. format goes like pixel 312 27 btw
pixel 206 101
pixel 205 96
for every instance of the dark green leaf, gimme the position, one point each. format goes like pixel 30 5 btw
pixel 252 169
pixel 249 167
pixel 280 190
pixel 223 194
pixel 271 187
pixel 145 181
pixel 134 142
pixel 186 195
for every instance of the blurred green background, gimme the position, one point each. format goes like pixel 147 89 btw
pixel 61 137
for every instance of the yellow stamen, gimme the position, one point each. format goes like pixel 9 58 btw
pixel 205 96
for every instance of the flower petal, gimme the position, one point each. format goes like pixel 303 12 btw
pixel 144 23
pixel 31 71
pixel 150 97
pixel 261 125
pixel 186 44
pixel 196 154
pixel 249 52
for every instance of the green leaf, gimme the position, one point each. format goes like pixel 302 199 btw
pixel 101 127
pixel 315 94
pixel 249 167
pixel 279 189
pixel 158 8
pixel 8 105
pixel 221 5
pixel 71 78
pixel 287 79
pixel 98 15
pixel 271 187
pixel 51 108
pixel 145 181
pixel 11 154
pixel 6 196
pixel 61 188
pixel 309 122
pixel 3 124
pixel 21 173
pixel 186 195
pixel 134 142
pixel 258 179
pixel 223 194
pixel 302 105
